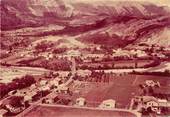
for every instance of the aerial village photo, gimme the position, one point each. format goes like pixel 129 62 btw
pixel 85 58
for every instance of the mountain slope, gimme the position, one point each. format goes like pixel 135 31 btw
pixel 21 13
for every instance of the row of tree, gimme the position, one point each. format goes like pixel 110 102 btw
pixel 18 83
pixel 52 64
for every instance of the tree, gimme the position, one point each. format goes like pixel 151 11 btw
pixel 167 71
pixel 150 90
pixel 3 90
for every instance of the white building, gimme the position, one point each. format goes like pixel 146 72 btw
pixel 152 83
pixel 110 103
pixel 80 101
pixel 55 82
pixel 44 88
pixel 43 82
pixel 74 53
pixel 62 89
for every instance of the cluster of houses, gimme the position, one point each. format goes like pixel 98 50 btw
pixel 33 93
pixel 129 53
pixel 151 104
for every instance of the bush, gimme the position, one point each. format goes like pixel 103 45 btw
pixel 59 50
pixel 43 46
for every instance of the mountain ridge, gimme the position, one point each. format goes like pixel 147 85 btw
pixel 37 12
pixel 118 23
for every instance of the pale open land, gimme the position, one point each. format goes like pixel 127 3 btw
pixel 9 73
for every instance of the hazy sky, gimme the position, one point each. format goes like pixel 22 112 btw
pixel 159 2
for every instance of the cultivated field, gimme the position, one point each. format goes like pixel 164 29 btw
pixel 119 88
pixel 50 111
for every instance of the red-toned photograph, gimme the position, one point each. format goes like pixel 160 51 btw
pixel 85 58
